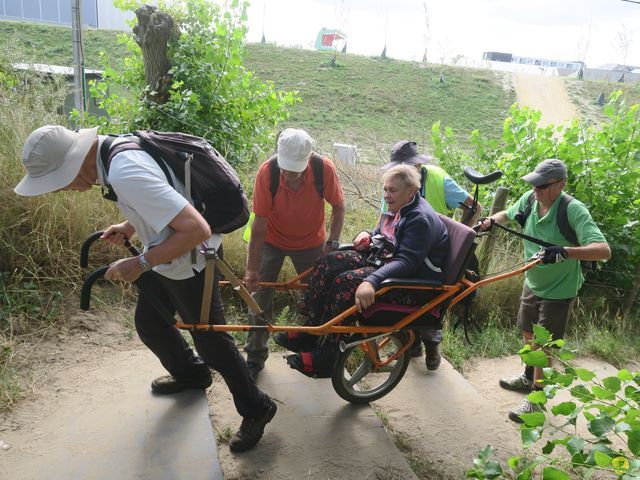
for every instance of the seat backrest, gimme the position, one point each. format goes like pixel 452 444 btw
pixel 461 245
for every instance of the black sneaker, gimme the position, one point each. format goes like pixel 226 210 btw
pixel 251 429
pixel 432 357
pixel 254 370
pixel 167 384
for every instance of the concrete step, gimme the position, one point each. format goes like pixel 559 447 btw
pixel 315 433
pixel 111 426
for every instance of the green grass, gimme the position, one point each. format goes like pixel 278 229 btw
pixel 51 44
pixel 365 101
pixel 368 101
pixel 585 93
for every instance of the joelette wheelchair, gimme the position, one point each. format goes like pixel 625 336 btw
pixel 374 353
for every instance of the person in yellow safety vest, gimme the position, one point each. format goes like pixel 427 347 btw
pixel 444 195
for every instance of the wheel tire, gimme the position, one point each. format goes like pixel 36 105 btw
pixel 371 385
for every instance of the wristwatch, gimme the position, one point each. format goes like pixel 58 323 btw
pixel 333 244
pixel 144 263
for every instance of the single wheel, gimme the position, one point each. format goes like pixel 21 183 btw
pixel 359 379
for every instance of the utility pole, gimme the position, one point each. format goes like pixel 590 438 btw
pixel 78 58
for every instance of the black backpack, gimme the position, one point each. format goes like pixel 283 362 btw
pixel 214 185
pixel 317 167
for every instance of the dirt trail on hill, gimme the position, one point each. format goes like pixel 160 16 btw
pixel 546 94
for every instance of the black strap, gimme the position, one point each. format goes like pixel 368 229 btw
pixel 317 168
pixel 535 240
pixel 423 181
pixel 562 217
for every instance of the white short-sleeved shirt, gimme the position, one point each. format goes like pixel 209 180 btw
pixel 150 203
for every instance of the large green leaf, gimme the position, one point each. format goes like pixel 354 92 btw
pixel 584 374
pixel 538 397
pixel 550 473
pixel 529 436
pixel 534 419
pixel 601 425
pixel 564 408
pixel 535 358
pixel 612 384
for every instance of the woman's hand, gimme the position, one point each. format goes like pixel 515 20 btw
pixel 362 241
pixel 365 296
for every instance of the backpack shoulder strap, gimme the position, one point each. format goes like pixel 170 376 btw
pixel 521 216
pixel 317 167
pixel 424 171
pixel 562 218
pixel 108 151
pixel 274 172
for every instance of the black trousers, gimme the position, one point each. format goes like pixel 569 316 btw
pixel 215 349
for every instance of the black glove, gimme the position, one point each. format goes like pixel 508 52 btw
pixel 554 254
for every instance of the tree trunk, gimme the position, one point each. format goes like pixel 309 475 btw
pixel 152 33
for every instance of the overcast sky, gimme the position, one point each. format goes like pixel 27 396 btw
pixel 555 29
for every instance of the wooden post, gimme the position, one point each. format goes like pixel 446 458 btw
pixel 499 203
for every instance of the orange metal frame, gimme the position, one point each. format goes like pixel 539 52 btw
pixel 456 293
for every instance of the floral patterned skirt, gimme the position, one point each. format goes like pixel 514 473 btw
pixel 333 283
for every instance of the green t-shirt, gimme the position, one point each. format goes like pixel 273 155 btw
pixel 559 280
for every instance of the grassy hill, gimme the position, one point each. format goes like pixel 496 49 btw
pixel 366 101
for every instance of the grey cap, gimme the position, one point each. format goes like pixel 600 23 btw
pixel 547 171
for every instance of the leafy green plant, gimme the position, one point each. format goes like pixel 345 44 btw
pixel 603 163
pixel 212 94
pixel 610 408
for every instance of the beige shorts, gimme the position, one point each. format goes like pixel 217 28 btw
pixel 550 314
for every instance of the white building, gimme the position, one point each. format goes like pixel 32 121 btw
pixel 95 13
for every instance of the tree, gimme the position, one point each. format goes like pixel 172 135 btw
pixel 205 91
pixel 622 42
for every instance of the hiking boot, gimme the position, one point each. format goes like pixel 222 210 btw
pixel 254 370
pixel 296 341
pixel 167 384
pixel 415 350
pixel 251 429
pixel 432 358
pixel 525 407
pixel 518 383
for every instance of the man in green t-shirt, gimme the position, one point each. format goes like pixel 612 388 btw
pixel 550 288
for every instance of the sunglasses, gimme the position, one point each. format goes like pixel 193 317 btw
pixel 546 185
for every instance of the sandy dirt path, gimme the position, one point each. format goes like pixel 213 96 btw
pixel 546 94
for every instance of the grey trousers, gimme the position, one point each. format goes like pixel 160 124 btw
pixel 257 346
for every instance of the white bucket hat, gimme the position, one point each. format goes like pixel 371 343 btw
pixel 52 156
pixel 294 149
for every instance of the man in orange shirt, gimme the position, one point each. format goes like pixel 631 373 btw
pixel 289 222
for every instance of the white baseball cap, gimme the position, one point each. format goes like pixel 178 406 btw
pixel 52 156
pixel 294 150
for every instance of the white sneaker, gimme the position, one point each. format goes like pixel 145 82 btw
pixel 525 407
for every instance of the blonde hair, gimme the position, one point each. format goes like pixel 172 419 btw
pixel 406 175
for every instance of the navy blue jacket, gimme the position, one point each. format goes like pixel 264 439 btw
pixel 419 233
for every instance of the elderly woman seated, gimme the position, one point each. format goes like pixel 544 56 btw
pixel 417 248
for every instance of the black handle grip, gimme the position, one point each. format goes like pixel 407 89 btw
pixel 84 251
pixel 85 293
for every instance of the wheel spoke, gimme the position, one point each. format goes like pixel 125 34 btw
pixel 361 372
pixel 387 368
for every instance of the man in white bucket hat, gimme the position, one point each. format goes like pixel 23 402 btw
pixel 170 228
pixel 288 205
